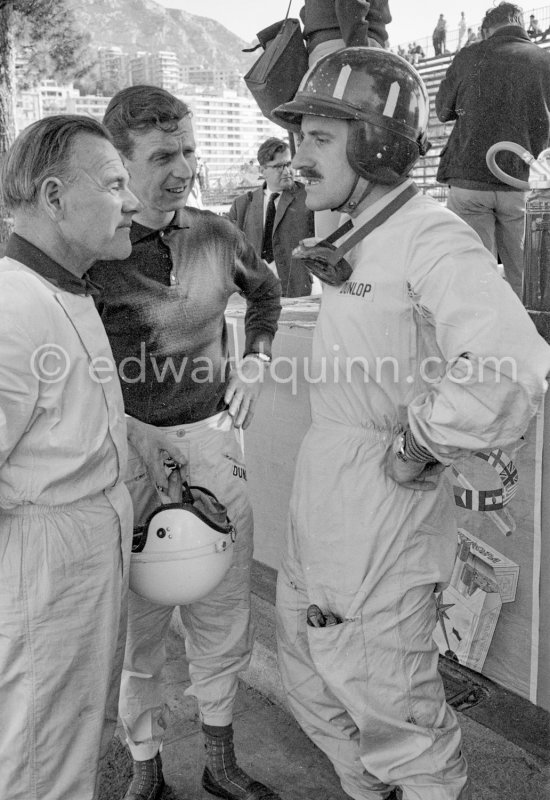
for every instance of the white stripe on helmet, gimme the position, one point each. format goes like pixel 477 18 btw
pixel 342 82
pixel 391 102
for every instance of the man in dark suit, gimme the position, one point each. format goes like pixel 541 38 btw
pixel 275 219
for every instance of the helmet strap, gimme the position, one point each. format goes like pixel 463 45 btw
pixel 359 191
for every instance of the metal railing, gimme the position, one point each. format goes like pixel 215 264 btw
pixel 542 14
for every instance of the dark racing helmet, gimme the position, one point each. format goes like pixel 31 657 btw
pixel 382 96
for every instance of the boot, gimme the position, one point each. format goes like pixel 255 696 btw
pixel 222 775
pixel 148 781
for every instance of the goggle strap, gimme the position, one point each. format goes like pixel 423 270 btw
pixel 335 255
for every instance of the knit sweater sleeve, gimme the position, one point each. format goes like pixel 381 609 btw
pixel 262 291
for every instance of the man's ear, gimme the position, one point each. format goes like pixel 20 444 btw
pixel 51 196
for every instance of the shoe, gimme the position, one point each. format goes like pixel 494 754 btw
pixel 147 781
pixel 222 775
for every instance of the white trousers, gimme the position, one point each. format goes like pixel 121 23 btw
pixel 367 691
pixel 218 636
pixel 63 590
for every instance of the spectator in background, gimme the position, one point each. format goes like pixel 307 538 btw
pixel 202 173
pixel 462 27
pixel 495 90
pixel 416 53
pixel 439 37
pixel 274 217
pixel 471 37
pixel 65 514
pixel 534 28
pixel 248 173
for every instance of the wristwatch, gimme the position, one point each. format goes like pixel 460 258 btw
pixel 260 356
pixel 407 449
pixel 398 446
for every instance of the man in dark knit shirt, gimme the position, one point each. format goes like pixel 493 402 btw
pixel 163 309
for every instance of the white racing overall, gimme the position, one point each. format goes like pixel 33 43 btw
pixel 218 637
pixel 65 538
pixel 423 292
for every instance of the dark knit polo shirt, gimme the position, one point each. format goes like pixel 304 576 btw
pixel 163 310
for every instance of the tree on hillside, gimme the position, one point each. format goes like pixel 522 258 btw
pixel 49 44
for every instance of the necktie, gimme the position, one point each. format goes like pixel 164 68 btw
pixel 267 245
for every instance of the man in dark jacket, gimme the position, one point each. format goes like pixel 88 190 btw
pixel 275 219
pixel 496 90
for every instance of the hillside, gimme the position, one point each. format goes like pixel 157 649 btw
pixel 135 25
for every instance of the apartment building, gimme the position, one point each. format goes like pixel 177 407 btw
pixel 113 66
pixel 213 78
pixel 162 69
pixel 228 130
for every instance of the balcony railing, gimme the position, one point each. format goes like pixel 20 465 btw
pixel 542 14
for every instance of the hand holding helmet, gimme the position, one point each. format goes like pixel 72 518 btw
pixel 152 447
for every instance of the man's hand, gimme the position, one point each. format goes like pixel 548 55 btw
pixel 243 391
pixel 152 446
pixel 412 474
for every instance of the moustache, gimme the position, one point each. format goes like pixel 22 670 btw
pixel 310 174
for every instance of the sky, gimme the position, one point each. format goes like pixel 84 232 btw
pixel 411 21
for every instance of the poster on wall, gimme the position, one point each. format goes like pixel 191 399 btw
pixel 488 616
pixel 468 609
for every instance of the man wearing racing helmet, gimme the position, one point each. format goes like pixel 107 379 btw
pixel 412 324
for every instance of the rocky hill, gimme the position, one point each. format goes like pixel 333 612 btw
pixel 135 25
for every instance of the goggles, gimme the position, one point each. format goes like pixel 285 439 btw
pixel 327 262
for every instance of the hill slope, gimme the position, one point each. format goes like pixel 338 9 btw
pixel 135 25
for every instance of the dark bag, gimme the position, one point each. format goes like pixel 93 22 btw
pixel 275 76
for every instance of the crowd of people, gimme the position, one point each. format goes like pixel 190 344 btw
pixel 117 394
pixel 465 36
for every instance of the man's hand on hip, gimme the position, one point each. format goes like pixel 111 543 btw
pixel 412 474
pixel 243 389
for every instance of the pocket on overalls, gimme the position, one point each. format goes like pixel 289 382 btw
pixel 340 657
pixel 291 610
pixel 233 454
pixel 142 491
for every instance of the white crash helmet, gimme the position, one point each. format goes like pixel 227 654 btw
pixel 184 549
